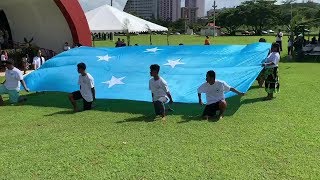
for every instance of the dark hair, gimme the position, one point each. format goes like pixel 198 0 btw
pixel 180 44
pixel 276 46
pixel 82 66
pixel 211 74
pixel 155 67
pixel 207 36
pixel 262 40
pixel 2 52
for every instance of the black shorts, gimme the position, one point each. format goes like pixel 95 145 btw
pixel 211 109
pixel 77 96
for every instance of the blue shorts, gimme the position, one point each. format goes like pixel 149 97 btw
pixel 13 94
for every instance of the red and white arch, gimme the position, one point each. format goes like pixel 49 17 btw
pixel 49 22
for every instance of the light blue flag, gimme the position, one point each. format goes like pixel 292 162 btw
pixel 123 73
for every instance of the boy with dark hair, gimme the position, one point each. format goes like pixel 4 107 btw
pixel 87 91
pixel 11 85
pixel 214 90
pixel 160 91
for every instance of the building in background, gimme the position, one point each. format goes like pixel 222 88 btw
pixel 169 10
pixel 147 9
pixel 200 4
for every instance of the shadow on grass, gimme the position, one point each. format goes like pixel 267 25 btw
pixel 188 112
pixel 304 59
pixel 194 112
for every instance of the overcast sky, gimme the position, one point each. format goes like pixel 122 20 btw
pixel 91 4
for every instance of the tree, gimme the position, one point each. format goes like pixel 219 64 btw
pixel 230 19
pixel 258 14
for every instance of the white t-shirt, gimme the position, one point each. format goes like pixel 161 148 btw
pixel 3 57
pixel 13 78
pixel 159 88
pixel 37 61
pixel 86 83
pixel 279 38
pixel 273 57
pixel 215 92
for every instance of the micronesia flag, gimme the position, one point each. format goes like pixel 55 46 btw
pixel 123 73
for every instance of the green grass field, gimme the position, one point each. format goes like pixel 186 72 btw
pixel 279 139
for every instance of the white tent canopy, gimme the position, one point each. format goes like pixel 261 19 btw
pixel 109 19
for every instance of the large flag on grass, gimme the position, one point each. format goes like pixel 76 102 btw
pixel 123 73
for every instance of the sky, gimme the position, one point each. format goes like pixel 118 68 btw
pixel 91 4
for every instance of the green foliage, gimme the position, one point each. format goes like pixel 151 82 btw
pixel 231 19
pixel 261 14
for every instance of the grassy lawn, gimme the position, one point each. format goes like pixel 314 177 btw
pixel 257 140
pixel 187 39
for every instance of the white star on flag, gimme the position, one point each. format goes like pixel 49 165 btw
pixel 173 63
pixel 104 58
pixel 153 50
pixel 114 81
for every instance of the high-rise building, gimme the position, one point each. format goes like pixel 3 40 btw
pixel 146 9
pixel 169 10
pixel 198 4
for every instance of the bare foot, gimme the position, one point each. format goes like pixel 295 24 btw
pixel 164 120
pixel 221 117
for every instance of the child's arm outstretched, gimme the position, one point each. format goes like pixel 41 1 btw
pixel 170 97
pixel 200 100
pixel 237 92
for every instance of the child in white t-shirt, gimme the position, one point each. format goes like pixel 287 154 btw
pixel 214 90
pixel 160 91
pixel 86 93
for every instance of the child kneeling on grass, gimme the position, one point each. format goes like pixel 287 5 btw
pixel 11 85
pixel 160 91
pixel 214 90
pixel 87 91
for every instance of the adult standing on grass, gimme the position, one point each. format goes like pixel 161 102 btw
pixel 11 85
pixel 38 61
pixel 271 71
pixel 87 92
pixel 279 39
pixel 214 90
pixel 207 41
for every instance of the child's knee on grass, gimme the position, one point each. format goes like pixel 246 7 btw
pixel 223 105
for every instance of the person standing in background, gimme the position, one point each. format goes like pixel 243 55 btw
pixel 279 39
pixel 207 41
pixel 38 61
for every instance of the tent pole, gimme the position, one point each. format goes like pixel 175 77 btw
pixel 150 38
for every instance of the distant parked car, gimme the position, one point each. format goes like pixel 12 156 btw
pixel 177 33
pixel 270 31
pixel 245 33
pixel 248 32
pixel 164 33
pixel 264 32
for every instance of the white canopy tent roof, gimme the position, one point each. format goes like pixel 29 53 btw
pixel 109 19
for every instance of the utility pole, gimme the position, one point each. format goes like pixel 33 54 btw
pixel 214 17
pixel 111 2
